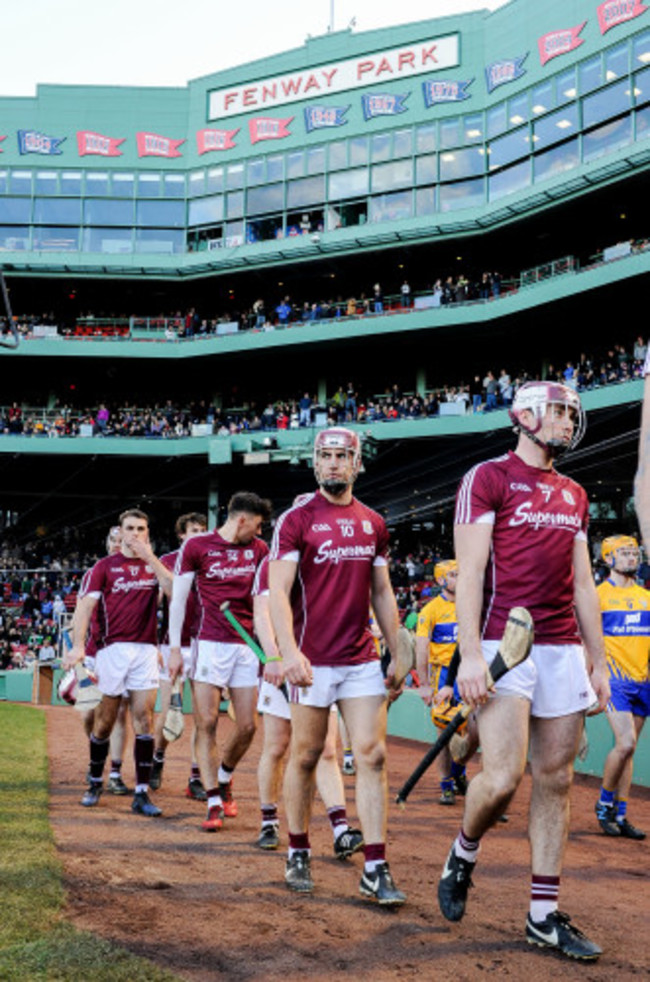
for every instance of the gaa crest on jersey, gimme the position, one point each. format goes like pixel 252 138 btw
pixel 568 497
pixel 366 526
pixel 134 570
pixel 249 553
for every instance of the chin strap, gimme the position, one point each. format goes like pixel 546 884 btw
pixel 554 448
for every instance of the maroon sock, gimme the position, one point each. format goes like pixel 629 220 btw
pixel 98 755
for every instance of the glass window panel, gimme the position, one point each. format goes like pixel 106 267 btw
pixel 380 147
pixel 398 173
pixel 215 180
pixel 16 211
pixel 307 191
pixel 234 176
pixel 206 211
pixel 426 169
pixel 425 138
pixel 110 241
pixel 556 160
pixel 450 132
pixel 497 119
pixel 359 150
pixel 542 98
pixel 462 163
pixel 617 62
pixel 20 182
pixel 508 148
pixel 607 138
pixel 4 181
pixel 46 182
pixel 641 49
pixel 463 194
pixel 197 183
pixel 338 154
pixel 96 183
pixel 235 204
pixel 518 110
pixel 316 160
pixel 270 197
pixel 473 128
pixel 403 143
pixel 556 126
pixel 255 171
pixel 165 213
pixel 123 185
pixel 348 183
pixel 642 87
pixel 274 168
pixel 590 74
pixel 14 239
pixel 295 164
pixel 173 185
pixel 160 241
pixel 565 86
pixel 425 201
pixel 149 185
pixel 643 123
pixel 609 102
pixel 56 239
pixel 98 212
pixel 509 180
pixel 57 211
pixel 70 182
pixel 391 207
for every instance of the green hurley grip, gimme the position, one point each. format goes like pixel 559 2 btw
pixel 243 633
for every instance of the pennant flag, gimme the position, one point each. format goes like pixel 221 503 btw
pixel 154 145
pixel 94 143
pixel 504 71
pixel 322 117
pixel 436 92
pixel 615 12
pixel 383 105
pixel 557 43
pixel 31 141
pixel 207 140
pixel 267 128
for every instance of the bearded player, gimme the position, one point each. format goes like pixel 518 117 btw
pixel 521 540
pixel 626 626
pixel 329 563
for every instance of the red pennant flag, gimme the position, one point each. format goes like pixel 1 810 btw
pixel 94 143
pixel 267 128
pixel 207 140
pixel 154 145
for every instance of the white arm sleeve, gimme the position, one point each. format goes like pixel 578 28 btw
pixel 180 592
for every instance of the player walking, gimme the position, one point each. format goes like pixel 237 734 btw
pixel 626 627
pixel 329 561
pixel 520 535
pixel 222 566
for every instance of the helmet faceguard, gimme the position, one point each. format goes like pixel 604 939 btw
pixel 337 438
pixel 610 547
pixel 536 397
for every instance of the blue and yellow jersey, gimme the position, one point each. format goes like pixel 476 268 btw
pixel 626 628
pixel 437 622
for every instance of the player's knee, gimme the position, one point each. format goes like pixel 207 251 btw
pixel 626 746
pixel 307 758
pixel 371 756
pixel 246 730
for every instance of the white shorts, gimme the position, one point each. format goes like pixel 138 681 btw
pixel 126 665
pixel 553 678
pixel 224 664
pixel 89 665
pixel 188 658
pixel 332 684
pixel 273 702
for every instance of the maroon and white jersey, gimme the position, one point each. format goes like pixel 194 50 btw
pixel 191 622
pixel 261 581
pixel 222 571
pixel 127 590
pixel 336 547
pixel 536 515
pixel 94 638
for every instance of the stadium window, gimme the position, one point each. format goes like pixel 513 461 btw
pixel 59 211
pixel 605 139
pixel 15 211
pixel 347 183
pixel 165 214
pixel 123 184
pixel 215 180
pixel 455 164
pixel 450 133
pixel 149 185
pixel 264 229
pixel 590 75
pixel 46 182
pixel 173 185
pixel 425 138
pixel 565 86
pixel 380 147
pixel 555 127
pixel 306 191
pixel 426 169
pixel 109 241
pixel 609 102
pixel 556 161
pixel 4 181
pixel 396 174
pixel 206 211
pixel 234 234
pixel 316 160
pixel 295 164
pixel 197 183
pixel 359 147
pixel 642 117
pixel 508 148
pixel 391 207
pixel 234 177
pixel 14 239
pixel 161 241
pixel 255 171
pixel 345 214
pixel 106 213
pixel 542 98
pixel 425 201
pixel 269 197
pixel 403 143
pixel 235 204
pixel 473 128
pixel 338 154
pixel 509 180
pixel 275 168
pixel 641 49
pixel 20 182
pixel 518 110
pixel 96 183
pixel 642 87
pixel 617 62
pixel 56 239
pixel 497 120
pixel 462 194
pixel 302 222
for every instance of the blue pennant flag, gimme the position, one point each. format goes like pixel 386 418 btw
pixel 383 105
pixel 321 117
pixel 506 70
pixel 31 141
pixel 435 92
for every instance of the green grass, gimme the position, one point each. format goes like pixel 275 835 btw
pixel 35 941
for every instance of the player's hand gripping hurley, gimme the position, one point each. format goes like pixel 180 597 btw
pixel 514 648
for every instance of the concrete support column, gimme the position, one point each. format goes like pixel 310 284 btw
pixel 421 381
pixel 213 503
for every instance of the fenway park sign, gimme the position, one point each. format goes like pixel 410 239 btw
pixel 339 76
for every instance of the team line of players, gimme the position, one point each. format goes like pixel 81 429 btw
pixel 520 539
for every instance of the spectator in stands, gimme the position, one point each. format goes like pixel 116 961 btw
pixel 378 298
pixel 405 291
pixel 305 406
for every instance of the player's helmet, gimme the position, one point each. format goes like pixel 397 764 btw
pixel 441 569
pixel 67 687
pixel 338 437
pixel 536 396
pixel 610 546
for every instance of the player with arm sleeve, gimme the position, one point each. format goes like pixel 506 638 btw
pixel 521 540
pixel 329 563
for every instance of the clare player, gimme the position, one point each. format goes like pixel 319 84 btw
pixel 626 627
pixel 329 562
pixel 126 585
pixel 192 523
pixel 521 540
pixel 220 566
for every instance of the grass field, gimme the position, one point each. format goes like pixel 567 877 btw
pixel 35 941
